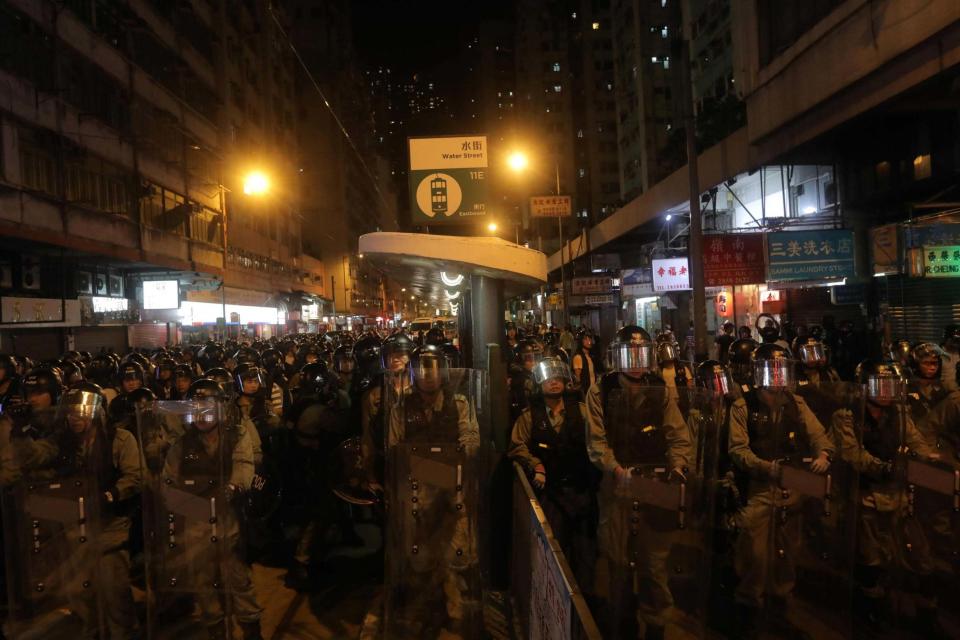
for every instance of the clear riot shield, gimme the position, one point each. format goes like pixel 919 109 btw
pixel 198 463
pixel 926 591
pixel 656 513
pixel 432 565
pixel 795 551
pixel 61 539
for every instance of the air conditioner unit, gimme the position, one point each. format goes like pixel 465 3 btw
pixel 29 274
pixel 100 284
pixel 84 283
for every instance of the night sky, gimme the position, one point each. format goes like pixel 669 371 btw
pixel 417 36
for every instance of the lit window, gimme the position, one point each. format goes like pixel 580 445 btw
pixel 556 66
pixel 654 59
pixel 663 4
pixel 664 32
pixel 596 25
pixel 582 173
pixel 573 15
pixel 666 63
pixel 557 88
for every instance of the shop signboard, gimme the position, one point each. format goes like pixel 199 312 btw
pixel 161 294
pixel 640 275
pixel 733 259
pixel 884 248
pixel 637 290
pixel 941 261
pixel 849 294
pixel 924 235
pixel 448 179
pixel 671 274
pixel 810 255
pixel 551 207
pixel 596 284
pixel 599 300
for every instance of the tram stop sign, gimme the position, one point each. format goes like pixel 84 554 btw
pixel 448 179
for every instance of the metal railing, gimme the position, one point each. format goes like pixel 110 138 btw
pixel 547 602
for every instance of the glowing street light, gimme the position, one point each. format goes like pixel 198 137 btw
pixel 518 161
pixel 492 227
pixel 256 183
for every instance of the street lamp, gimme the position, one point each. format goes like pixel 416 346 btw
pixel 256 183
pixel 492 227
pixel 518 161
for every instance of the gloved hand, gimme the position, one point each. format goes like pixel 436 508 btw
pixel 677 475
pixel 539 476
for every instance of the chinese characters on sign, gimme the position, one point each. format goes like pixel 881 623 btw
pixel 941 261
pixel 604 299
pixel 550 207
pixel 810 255
pixel 671 274
pixel 598 284
pixel 723 304
pixel 448 178
pixel 733 259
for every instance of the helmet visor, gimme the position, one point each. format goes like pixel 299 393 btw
pixel 85 404
pixel 813 354
pixel 774 374
pixel 550 368
pixel 668 352
pixel 430 370
pixel 884 388
pixel 632 357
pixel 717 380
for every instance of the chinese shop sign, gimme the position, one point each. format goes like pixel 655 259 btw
pixel 599 284
pixel 810 255
pixel 671 274
pixel 733 259
pixel 550 207
pixel 941 261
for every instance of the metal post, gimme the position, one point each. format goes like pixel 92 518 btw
pixel 223 277
pixel 563 285
pixel 486 315
pixel 681 47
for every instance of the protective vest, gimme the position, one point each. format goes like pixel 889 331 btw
pixel 636 437
pixel 200 472
pixel 775 436
pixel 921 405
pixel 563 453
pixel 436 426
pixel 881 438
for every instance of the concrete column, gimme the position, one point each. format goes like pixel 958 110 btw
pixel 486 315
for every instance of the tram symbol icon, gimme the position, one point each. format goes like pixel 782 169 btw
pixel 439 194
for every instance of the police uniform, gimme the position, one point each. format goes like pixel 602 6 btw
pixel 760 435
pixel 196 465
pixel 657 434
pixel 557 440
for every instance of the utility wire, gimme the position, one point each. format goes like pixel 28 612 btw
pixel 343 129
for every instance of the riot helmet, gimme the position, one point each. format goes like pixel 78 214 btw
pixel 182 378
pixel 773 368
pixel 739 357
pixel 900 352
pixel 82 404
pixel 430 368
pixel 41 388
pixel 124 407
pixel 222 377
pixel 926 360
pixel 166 367
pixel 884 381
pixel 812 353
pixel 667 352
pixel 435 336
pixel 452 354
pixel 249 379
pixel 343 361
pixel 713 376
pixel 316 382
pixel 770 329
pixel 309 353
pixel 271 359
pixel 528 353
pixel 632 354
pixel 395 352
pixel 211 356
pixel 102 370
pixel 366 352
pixel 207 396
pixel 131 376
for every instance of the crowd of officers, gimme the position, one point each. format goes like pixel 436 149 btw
pixel 584 436
pixel 271 414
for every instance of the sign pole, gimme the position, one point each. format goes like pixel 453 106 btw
pixel 563 286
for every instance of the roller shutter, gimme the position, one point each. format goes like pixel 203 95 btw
pixel 148 336
pixel 919 308
pixel 95 339
pixel 37 344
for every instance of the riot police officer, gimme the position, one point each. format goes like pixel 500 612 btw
pixel 739 361
pixel 925 391
pixel 253 405
pixel 773 428
pixel 97 468
pixel 436 513
pixel 214 459
pixel 395 355
pixel 875 449
pixel 163 384
pixel 522 385
pixel 816 368
pixel 548 441
pixel 635 428
pixel 33 413
pixel 950 344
